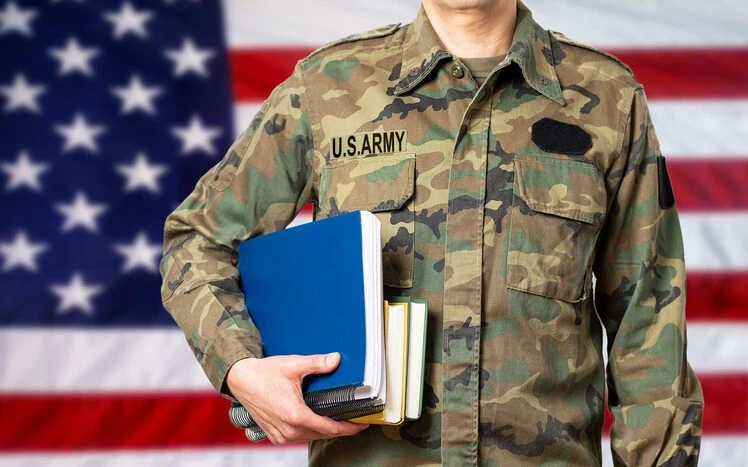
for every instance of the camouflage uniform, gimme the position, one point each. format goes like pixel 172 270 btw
pixel 499 203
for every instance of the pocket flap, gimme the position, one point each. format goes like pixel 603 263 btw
pixel 377 183
pixel 561 187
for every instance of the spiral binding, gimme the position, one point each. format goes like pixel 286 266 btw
pixel 240 418
pixel 327 403
pixel 255 433
pixel 338 404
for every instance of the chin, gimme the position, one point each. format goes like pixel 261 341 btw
pixel 469 4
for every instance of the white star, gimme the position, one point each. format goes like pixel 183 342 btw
pixel 21 253
pixel 137 96
pixel 129 20
pixel 140 254
pixel 189 58
pixel 73 57
pixel 76 294
pixel 80 134
pixel 14 19
pixel 22 94
pixel 196 137
pixel 141 174
pixel 81 212
pixel 24 172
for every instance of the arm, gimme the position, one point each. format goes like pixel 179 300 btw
pixel 640 296
pixel 260 185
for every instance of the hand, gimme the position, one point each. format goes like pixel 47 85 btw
pixel 270 389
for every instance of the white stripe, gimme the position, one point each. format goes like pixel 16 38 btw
pixel 606 23
pixel 303 23
pixel 718 348
pixel 716 451
pixel 280 456
pixel 699 128
pixel 715 241
pixel 97 360
pixel 685 128
pixel 38 360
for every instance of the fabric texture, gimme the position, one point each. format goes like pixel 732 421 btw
pixel 501 236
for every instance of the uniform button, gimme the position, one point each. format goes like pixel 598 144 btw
pixel 457 71
pixel 544 80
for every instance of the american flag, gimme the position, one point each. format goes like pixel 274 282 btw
pixel 111 109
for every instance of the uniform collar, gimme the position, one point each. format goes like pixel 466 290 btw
pixel 531 50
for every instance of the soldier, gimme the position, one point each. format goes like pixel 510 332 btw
pixel 509 165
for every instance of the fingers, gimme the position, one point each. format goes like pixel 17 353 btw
pixel 325 427
pixel 299 423
pixel 270 390
pixel 313 364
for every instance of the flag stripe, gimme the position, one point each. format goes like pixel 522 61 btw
pixel 42 422
pixel 715 451
pixel 701 128
pixel 716 297
pixel 150 421
pixel 715 241
pixel 294 455
pixel 123 360
pixel 709 183
pixel 669 73
pixel 665 73
pixel 712 348
pixel 608 23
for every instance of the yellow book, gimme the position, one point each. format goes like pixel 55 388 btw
pixel 396 323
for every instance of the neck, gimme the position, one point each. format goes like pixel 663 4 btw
pixel 473 28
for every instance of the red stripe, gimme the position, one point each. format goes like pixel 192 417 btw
pixel 97 421
pixel 725 405
pixel 710 184
pixel 717 296
pixel 150 421
pixel 690 73
pixel 666 73
pixel 256 71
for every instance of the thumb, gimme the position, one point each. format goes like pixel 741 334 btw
pixel 317 364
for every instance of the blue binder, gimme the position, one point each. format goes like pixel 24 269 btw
pixel 304 289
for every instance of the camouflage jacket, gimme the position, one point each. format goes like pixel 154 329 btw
pixel 500 203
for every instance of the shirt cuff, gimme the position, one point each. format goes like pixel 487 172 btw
pixel 227 348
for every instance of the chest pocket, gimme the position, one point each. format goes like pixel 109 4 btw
pixel 558 208
pixel 383 185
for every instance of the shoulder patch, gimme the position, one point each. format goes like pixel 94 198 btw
pixel 372 34
pixel 665 190
pixel 561 37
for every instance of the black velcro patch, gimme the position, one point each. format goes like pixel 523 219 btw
pixel 666 195
pixel 554 136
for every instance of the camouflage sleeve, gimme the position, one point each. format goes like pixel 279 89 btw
pixel 260 185
pixel 654 395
